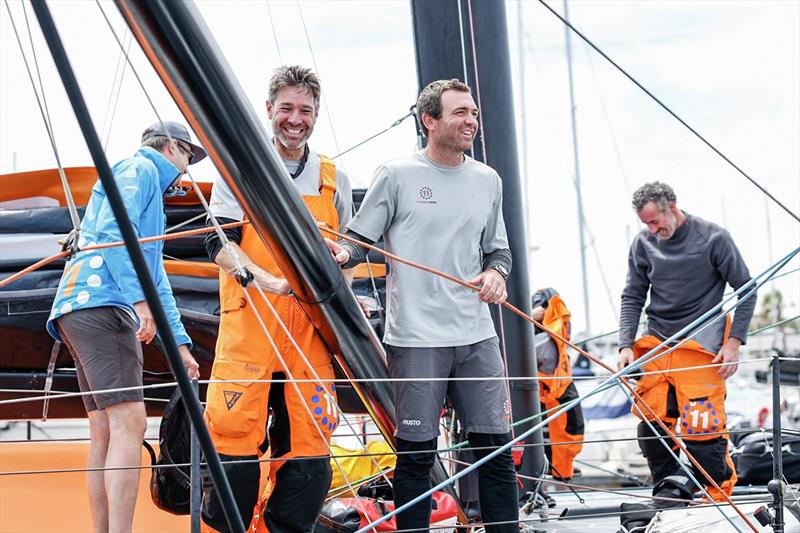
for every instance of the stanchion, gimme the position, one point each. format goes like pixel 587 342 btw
pixel 776 487
pixel 196 491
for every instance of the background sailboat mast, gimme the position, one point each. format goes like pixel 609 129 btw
pixel 445 35
pixel 581 220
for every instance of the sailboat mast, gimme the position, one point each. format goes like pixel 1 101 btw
pixel 445 35
pixel 581 220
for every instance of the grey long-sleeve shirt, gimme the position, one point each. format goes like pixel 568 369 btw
pixel 685 276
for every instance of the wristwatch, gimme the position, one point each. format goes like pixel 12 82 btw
pixel 502 270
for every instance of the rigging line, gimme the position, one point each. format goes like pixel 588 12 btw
pixel 622 475
pixel 235 255
pixel 330 398
pixel 304 403
pixel 66 394
pixel 130 63
pixel 593 246
pixel 274 33
pixel 771 448
pixel 411 112
pixel 582 215
pixel 316 69
pixel 185 223
pixel 670 111
pixel 614 142
pixel 331 401
pixel 687 470
pixel 447 449
pixel 650 356
pixel 477 83
pixel 109 103
pixel 113 95
pixel 73 210
pixel 504 351
pixel 573 486
pixel 463 59
pixel 116 99
pixel 47 260
pixel 42 104
pixel 774 325
pixel 338 491
pixel 771 271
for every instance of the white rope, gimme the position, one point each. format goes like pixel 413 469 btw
pixel 316 69
pixel 116 91
pixel 274 33
pixel 41 101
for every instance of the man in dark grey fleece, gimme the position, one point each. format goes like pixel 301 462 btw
pixel 684 262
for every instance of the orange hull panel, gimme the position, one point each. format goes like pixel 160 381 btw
pixel 59 502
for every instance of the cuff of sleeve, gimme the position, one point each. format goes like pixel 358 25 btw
pixel 354 252
pixel 183 338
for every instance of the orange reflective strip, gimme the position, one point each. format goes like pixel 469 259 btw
pixel 364 270
pixel 73 276
pixel 199 269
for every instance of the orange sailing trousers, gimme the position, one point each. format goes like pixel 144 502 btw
pixel 691 399
pixel 303 408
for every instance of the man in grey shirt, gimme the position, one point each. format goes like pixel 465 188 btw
pixel 443 209
pixel 684 262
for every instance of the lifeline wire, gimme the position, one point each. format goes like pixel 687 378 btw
pixel 650 356
pixel 59 395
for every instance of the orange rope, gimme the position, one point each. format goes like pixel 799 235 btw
pixel 167 237
pixel 519 313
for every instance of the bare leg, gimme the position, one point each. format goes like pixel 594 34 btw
pixel 95 479
pixel 127 424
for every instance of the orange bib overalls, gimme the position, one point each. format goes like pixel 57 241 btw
pixel 693 400
pixel 566 431
pixel 236 413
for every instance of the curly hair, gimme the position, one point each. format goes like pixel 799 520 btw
pixel 430 99
pixel 295 76
pixel 656 192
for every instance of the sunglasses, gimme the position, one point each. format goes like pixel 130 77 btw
pixel 185 150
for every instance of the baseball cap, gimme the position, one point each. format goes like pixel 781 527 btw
pixel 176 131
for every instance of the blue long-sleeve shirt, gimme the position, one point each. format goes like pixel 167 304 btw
pixel 106 277
pixel 685 276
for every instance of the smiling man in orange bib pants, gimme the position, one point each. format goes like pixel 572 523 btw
pixel 236 412
pixel 553 362
pixel 684 263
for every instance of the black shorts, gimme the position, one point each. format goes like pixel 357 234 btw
pixel 102 341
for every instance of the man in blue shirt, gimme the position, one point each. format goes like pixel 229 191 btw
pixel 101 314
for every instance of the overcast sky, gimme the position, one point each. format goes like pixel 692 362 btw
pixel 730 68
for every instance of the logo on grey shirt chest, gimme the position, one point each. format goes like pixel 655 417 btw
pixel 426 195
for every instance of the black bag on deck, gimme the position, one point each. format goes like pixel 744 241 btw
pixel 170 486
pixel 752 456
